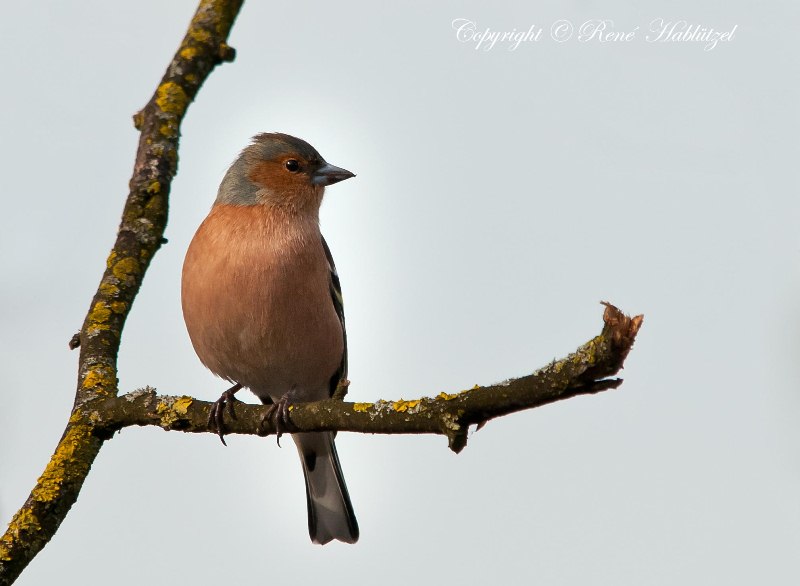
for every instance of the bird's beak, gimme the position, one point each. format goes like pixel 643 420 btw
pixel 328 175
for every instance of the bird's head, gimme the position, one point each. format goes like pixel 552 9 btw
pixel 279 170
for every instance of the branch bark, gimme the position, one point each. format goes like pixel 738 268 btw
pixel 98 411
pixel 139 237
pixel 585 371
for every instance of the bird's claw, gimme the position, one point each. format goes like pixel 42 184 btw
pixel 216 415
pixel 278 416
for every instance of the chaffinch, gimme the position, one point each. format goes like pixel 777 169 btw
pixel 262 303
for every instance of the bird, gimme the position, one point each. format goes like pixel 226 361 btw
pixel 262 304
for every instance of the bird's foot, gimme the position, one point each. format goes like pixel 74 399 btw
pixel 341 390
pixel 278 415
pixel 216 415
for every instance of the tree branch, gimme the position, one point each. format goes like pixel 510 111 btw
pixel 139 237
pixel 585 371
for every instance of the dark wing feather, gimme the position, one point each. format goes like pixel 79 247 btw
pixel 338 305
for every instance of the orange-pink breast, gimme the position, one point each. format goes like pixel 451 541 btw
pixel 256 301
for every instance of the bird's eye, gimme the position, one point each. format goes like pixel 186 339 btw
pixel 292 165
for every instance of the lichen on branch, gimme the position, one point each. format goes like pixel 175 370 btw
pixel 139 237
pixel 585 371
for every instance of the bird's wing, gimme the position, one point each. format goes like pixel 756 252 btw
pixel 338 305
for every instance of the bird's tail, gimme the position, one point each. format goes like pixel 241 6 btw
pixel 330 513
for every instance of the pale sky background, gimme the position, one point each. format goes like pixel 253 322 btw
pixel 500 196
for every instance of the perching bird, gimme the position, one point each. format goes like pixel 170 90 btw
pixel 263 307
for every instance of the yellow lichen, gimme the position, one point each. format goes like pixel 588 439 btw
pixel 153 187
pixel 64 461
pixel 189 53
pixel 181 405
pixel 101 379
pixel 118 306
pixel 154 205
pixel 109 289
pixel 403 406
pixel 97 319
pixel 200 35
pixel 446 396
pixel 125 267
pixel 169 129
pixel 361 407
pixel 23 522
pixel 590 351
pixel 172 409
pixel 171 98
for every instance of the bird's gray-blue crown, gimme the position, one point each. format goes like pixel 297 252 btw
pixel 274 169
pixel 272 145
